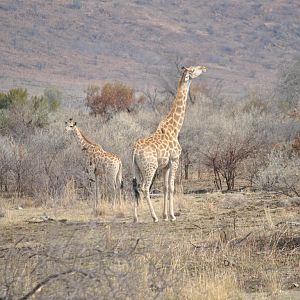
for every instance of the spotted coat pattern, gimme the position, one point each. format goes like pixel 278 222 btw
pixel 100 162
pixel 161 150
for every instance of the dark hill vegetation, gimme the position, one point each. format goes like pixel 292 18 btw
pixel 72 43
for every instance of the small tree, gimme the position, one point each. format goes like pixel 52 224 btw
pixel 227 142
pixel 114 97
pixel 256 101
pixel 224 159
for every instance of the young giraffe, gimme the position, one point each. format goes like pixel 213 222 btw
pixel 161 151
pixel 100 162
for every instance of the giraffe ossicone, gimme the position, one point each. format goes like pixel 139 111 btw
pixel 161 150
pixel 100 162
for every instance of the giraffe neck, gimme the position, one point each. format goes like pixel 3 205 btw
pixel 85 143
pixel 175 118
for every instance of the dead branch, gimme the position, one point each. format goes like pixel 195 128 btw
pixel 233 242
pixel 134 247
pixel 239 241
pixel 288 223
pixel 44 282
pixel 210 245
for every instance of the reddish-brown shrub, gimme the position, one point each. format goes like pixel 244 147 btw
pixel 114 97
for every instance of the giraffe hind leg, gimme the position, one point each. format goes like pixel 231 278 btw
pixel 146 191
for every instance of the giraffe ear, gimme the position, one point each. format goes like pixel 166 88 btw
pixel 183 68
pixel 66 122
pixel 75 123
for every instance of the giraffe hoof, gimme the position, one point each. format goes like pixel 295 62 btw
pixel 173 218
pixel 155 220
pixel 135 220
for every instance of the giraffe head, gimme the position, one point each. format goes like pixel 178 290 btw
pixel 192 72
pixel 70 125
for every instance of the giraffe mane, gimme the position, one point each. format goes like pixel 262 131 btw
pixel 87 139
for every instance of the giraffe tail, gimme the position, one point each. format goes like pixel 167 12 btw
pixel 134 180
pixel 135 190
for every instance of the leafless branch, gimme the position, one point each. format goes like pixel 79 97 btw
pixel 47 280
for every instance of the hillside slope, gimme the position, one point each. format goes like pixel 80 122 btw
pixel 75 43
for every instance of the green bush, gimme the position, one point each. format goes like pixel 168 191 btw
pixel 4 104
pixel 54 97
pixel 39 111
pixel 20 114
pixel 14 97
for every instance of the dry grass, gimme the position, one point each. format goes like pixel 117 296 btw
pixel 213 250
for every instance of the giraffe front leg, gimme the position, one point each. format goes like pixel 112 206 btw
pixel 166 191
pixel 173 169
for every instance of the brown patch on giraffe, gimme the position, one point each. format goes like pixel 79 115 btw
pixel 176 117
pixel 165 145
pixel 179 109
pixel 181 95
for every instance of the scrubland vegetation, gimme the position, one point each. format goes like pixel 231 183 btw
pixel 251 140
pixel 237 232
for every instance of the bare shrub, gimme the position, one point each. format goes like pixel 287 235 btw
pixel 289 85
pixel 224 159
pixel 156 101
pixel 280 174
pixel 5 154
pixel 230 140
pixel 49 163
pixel 39 165
pixel 235 139
pixel 256 101
pixel 193 130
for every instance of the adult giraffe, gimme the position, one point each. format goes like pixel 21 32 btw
pixel 101 162
pixel 161 150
